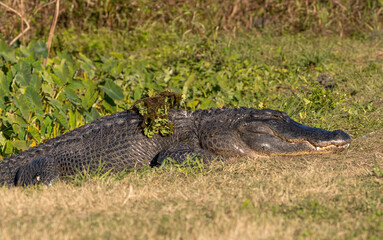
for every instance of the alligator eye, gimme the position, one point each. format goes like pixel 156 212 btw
pixel 257 127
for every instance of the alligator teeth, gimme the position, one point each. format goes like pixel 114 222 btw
pixel 320 148
pixel 323 148
pixel 345 146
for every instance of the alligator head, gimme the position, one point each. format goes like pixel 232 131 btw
pixel 253 132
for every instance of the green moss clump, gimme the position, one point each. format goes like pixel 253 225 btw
pixel 155 111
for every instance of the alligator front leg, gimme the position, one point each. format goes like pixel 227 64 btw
pixel 40 170
pixel 181 152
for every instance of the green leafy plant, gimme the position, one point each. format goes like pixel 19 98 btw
pixel 155 111
pixel 40 102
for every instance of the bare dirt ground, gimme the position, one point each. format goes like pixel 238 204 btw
pixel 336 196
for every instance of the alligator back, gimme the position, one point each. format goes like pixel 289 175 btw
pixel 115 140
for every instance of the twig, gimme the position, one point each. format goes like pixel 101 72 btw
pixel 43 6
pixel 22 18
pixel 52 30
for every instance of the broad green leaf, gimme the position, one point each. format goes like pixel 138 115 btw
pixel 8 148
pixel 35 50
pixel 95 114
pixel 4 85
pixel 55 79
pixel 72 119
pixel 46 127
pixel 113 90
pixel 207 103
pixel 19 130
pixel 35 82
pixel 38 66
pixel 35 133
pixel 71 95
pixel 48 89
pixel 47 77
pixel 20 78
pixel 108 64
pixel 26 52
pixel 76 84
pixel 192 104
pixel 3 140
pixel 87 65
pixel 90 98
pixel 150 85
pixel 62 71
pixel 116 69
pixel 110 108
pixel 23 105
pixel 70 66
pixel 55 104
pixel 34 99
pixel 61 118
pixel 92 115
pixel 137 94
pixel 7 52
pixel 21 144
pixel 23 73
pixel 14 118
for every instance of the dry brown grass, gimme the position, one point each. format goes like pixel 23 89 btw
pixel 327 196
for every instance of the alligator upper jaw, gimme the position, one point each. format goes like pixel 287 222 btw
pixel 335 141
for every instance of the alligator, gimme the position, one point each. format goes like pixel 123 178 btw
pixel 117 142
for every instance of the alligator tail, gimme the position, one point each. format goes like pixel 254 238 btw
pixel 5 174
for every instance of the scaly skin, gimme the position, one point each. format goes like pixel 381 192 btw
pixel 117 142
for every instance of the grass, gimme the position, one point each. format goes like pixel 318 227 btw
pixel 312 197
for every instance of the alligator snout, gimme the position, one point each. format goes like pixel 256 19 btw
pixel 340 138
pixel 335 138
pixel 284 136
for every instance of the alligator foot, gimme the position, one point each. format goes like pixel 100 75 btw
pixel 40 170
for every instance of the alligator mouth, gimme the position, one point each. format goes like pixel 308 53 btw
pixel 320 141
pixel 271 144
pixel 312 149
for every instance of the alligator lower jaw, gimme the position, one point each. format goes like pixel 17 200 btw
pixel 319 150
pixel 314 150
pixel 331 148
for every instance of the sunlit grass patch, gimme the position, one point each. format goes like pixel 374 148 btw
pixel 191 166
pixel 333 197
